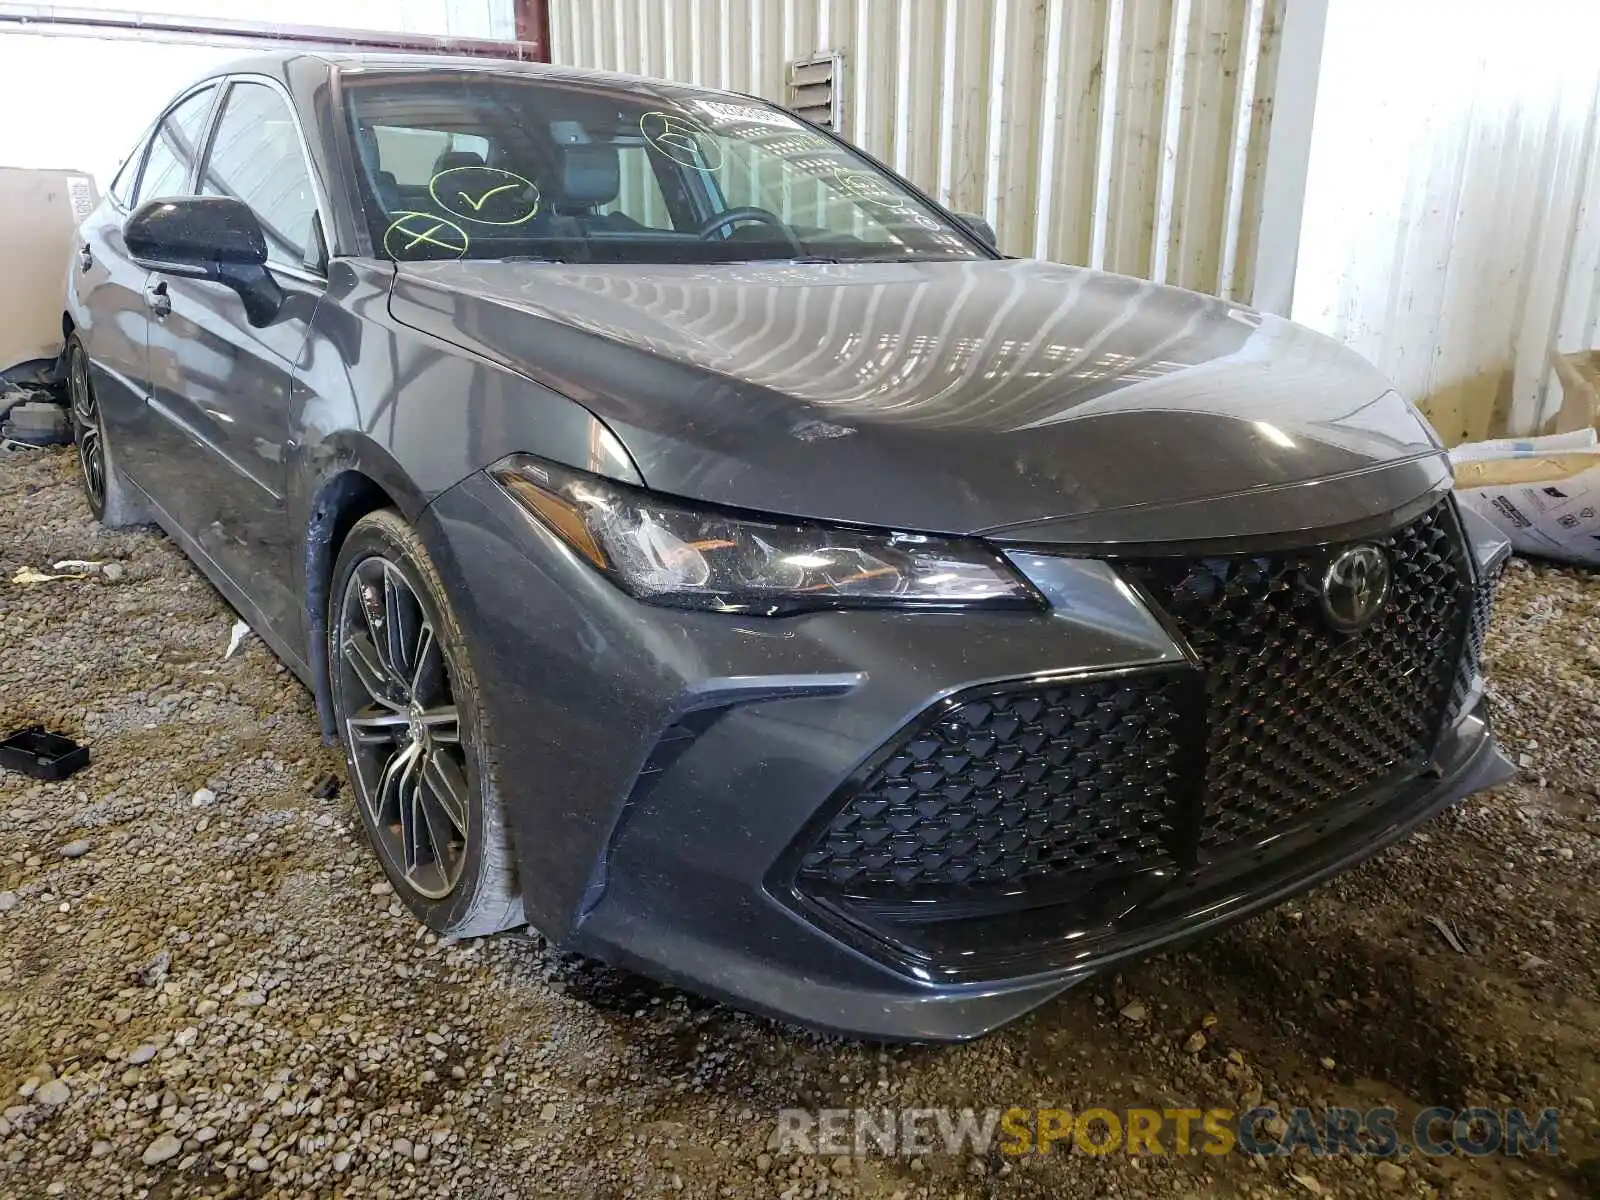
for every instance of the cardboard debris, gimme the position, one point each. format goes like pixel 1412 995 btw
pixel 41 211
pixel 1580 389
pixel 1544 492
pixel 29 575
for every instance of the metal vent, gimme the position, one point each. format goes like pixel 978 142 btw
pixel 815 90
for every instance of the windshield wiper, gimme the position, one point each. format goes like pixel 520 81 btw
pixel 815 259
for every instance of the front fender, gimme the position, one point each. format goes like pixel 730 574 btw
pixel 384 414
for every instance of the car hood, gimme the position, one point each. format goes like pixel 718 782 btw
pixel 1022 399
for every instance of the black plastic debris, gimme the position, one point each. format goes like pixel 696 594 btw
pixel 43 755
pixel 37 423
pixel 10 397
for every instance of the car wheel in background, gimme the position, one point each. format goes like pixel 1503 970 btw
pixel 414 733
pixel 110 500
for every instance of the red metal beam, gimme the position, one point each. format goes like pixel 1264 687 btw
pixel 533 26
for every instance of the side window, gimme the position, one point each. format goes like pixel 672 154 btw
pixel 639 198
pixel 128 175
pixel 256 156
pixel 173 149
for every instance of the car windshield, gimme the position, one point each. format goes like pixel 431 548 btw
pixel 472 164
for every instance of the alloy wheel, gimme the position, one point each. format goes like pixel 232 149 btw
pixel 90 439
pixel 402 727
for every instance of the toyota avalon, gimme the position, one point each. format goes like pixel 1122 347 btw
pixel 712 552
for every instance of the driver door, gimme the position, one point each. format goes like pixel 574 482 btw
pixel 221 382
pixel 115 291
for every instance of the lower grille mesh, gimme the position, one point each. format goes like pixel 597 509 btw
pixel 1047 785
pixel 1017 784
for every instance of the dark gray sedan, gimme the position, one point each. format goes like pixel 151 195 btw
pixel 712 552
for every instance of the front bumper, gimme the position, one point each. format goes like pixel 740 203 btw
pixel 658 765
pixel 914 1005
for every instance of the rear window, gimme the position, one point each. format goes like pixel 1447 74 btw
pixel 408 154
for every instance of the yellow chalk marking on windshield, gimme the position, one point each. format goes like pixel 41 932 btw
pixel 683 139
pixel 464 206
pixel 477 205
pixel 423 229
pixel 427 236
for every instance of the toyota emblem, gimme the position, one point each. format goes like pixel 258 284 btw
pixel 1355 588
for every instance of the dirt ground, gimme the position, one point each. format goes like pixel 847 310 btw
pixel 207 989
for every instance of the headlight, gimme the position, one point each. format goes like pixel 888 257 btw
pixel 667 551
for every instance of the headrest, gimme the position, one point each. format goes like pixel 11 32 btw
pixel 367 147
pixel 452 159
pixel 387 187
pixel 590 176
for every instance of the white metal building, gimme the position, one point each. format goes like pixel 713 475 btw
pixel 1418 179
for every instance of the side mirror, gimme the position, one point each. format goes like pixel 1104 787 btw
pixel 980 228
pixel 207 237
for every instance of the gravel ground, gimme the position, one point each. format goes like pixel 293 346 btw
pixel 206 987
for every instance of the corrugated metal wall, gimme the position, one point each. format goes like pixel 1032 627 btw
pixel 1125 134
pixel 1452 218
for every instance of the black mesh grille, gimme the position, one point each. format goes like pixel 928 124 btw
pixel 1016 784
pixel 1069 783
pixel 1299 715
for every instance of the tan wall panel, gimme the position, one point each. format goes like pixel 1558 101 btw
pixel 1128 134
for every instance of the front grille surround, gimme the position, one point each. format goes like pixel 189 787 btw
pixel 1298 714
pixel 1277 722
pixel 1468 674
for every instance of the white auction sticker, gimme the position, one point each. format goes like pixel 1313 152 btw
pixel 80 194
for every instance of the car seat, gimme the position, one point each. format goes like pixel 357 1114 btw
pixel 590 175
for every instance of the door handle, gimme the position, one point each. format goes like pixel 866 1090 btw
pixel 156 298
pixel 85 256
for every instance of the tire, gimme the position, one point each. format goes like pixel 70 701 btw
pixel 110 498
pixel 436 821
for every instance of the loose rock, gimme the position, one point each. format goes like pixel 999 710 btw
pixel 198 970
pixel 159 1151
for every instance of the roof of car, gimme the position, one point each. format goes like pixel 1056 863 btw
pixel 277 63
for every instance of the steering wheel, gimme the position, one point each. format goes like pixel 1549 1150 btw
pixel 734 216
